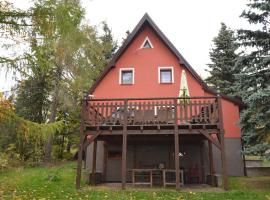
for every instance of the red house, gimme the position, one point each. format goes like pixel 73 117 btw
pixel 150 119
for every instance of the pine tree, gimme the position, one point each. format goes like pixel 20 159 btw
pixel 14 26
pixel 108 42
pixel 32 99
pixel 223 57
pixel 254 80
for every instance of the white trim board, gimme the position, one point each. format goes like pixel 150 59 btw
pixel 126 69
pixel 146 39
pixel 160 68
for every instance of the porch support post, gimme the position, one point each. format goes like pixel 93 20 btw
pixel 223 156
pixel 124 147
pixel 224 165
pixel 80 147
pixel 202 176
pixel 94 161
pixel 176 147
pixel 211 163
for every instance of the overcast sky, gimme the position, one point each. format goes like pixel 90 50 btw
pixel 189 24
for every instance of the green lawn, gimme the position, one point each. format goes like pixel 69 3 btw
pixel 58 183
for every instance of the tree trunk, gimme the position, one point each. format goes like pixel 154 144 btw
pixel 54 105
pixel 68 146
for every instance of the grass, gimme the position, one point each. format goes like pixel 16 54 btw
pixel 58 183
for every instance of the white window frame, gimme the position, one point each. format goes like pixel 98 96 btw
pixel 146 39
pixel 120 75
pixel 161 68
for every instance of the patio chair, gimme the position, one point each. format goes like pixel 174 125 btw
pixel 170 115
pixel 149 117
pixel 138 116
pixel 162 115
pixel 194 174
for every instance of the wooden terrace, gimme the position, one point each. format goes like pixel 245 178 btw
pixel 152 113
pixel 151 116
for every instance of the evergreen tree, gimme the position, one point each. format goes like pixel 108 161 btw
pixel 14 24
pixel 223 57
pixel 254 80
pixel 32 101
pixel 109 45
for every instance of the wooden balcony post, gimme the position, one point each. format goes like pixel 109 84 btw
pixel 202 175
pixel 94 161
pixel 221 136
pixel 80 147
pixel 176 146
pixel 211 162
pixel 124 146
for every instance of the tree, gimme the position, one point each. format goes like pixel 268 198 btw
pixel 223 57
pixel 25 137
pixel 14 24
pixel 77 55
pixel 254 80
pixel 32 100
pixel 64 58
pixel 58 22
pixel 108 43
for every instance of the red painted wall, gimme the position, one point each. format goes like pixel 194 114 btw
pixel 230 118
pixel 145 63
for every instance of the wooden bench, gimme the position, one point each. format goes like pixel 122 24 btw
pixel 151 172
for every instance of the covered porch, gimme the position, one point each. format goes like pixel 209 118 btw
pixel 176 123
pixel 150 160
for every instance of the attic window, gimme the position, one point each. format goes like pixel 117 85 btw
pixel 147 44
pixel 165 75
pixel 126 76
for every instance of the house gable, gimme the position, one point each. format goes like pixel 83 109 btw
pixel 146 63
pixel 146 21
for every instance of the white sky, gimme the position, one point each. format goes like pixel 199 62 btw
pixel 189 24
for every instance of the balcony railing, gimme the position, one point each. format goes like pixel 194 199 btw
pixel 152 112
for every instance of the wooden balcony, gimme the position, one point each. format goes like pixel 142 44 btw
pixel 102 118
pixel 152 113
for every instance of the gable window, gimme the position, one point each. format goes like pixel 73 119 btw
pixel 126 76
pixel 147 44
pixel 165 75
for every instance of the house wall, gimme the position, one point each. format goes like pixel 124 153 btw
pixel 230 113
pixel 235 164
pixel 148 156
pixel 145 155
pixel 100 157
pixel 145 63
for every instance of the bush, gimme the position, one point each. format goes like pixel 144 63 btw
pixel 9 160
pixel 67 156
pixel 3 161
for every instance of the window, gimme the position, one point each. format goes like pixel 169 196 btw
pixel 126 76
pixel 146 43
pixel 165 75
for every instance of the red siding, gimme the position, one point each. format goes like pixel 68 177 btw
pixel 230 118
pixel 146 63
